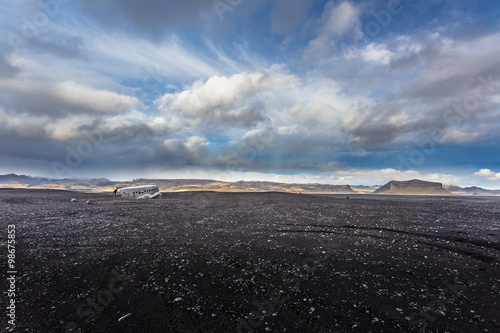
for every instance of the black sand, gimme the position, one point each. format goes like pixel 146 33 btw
pixel 262 262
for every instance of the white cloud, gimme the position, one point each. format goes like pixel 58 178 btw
pixel 335 22
pixel 488 174
pixel 67 128
pixel 339 19
pixel 191 150
pixel 158 125
pixel 447 70
pixel 272 101
pixel 218 96
pixel 377 53
pixel 171 58
pixel 461 136
pixel 196 142
pixel 172 144
pixel 219 100
pixel 123 121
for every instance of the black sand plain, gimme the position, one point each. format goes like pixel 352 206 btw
pixel 253 262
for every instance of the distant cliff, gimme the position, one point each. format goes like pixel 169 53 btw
pixel 413 187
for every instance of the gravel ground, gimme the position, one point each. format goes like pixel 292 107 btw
pixel 252 262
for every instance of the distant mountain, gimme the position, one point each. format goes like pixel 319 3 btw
pixel 473 190
pixel 23 181
pixel 175 185
pixel 168 185
pixel 20 179
pixel 413 187
pixel 179 185
pixel 366 189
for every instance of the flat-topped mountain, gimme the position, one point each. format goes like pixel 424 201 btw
pixel 413 187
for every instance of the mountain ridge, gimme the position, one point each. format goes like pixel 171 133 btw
pixel 471 190
pixel 177 185
pixel 168 185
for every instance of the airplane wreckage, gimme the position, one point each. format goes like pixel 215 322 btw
pixel 140 192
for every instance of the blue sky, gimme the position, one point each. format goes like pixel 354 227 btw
pixel 338 92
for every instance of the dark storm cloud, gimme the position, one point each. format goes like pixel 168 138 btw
pixel 383 123
pixel 191 152
pixel 151 18
pixel 137 133
pixel 15 126
pixel 38 148
pixel 153 152
pixel 95 145
pixel 60 99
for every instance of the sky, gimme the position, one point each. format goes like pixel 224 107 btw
pixel 303 91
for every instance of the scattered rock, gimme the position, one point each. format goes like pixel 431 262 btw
pixel 121 318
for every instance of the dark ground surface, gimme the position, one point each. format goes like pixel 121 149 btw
pixel 267 262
